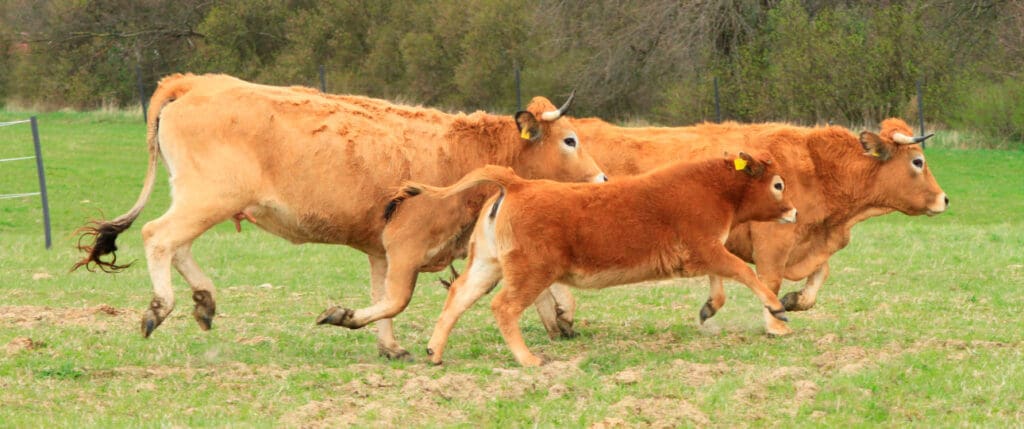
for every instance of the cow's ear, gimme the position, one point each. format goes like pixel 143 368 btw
pixel 747 164
pixel 529 127
pixel 874 146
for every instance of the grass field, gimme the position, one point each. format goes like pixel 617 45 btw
pixel 920 324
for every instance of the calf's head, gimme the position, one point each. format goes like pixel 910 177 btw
pixel 901 179
pixel 763 198
pixel 553 150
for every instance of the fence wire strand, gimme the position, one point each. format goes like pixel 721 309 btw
pixel 23 121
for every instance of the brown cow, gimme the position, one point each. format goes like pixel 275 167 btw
pixel 671 222
pixel 312 167
pixel 835 179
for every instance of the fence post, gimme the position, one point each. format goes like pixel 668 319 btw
pixel 323 80
pixel 142 92
pixel 920 109
pixel 519 99
pixel 42 181
pixel 718 106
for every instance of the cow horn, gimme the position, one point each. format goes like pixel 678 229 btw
pixel 905 139
pixel 555 114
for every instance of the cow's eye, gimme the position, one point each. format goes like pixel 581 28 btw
pixel 570 141
pixel 918 162
pixel 778 186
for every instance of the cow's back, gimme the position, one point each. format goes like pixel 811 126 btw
pixel 310 167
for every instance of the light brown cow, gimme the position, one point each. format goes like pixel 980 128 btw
pixel 671 222
pixel 312 167
pixel 835 177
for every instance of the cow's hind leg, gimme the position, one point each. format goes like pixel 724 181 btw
pixel 522 286
pixel 387 345
pixel 398 287
pixel 163 238
pixel 805 298
pixel 202 287
pixel 716 298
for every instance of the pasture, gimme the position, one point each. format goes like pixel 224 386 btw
pixel 920 323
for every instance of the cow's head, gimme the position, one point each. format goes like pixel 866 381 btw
pixel 901 179
pixel 764 198
pixel 552 148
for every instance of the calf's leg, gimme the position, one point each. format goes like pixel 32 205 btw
pixel 477 279
pixel 387 345
pixel 399 283
pixel 728 265
pixel 805 298
pixel 716 298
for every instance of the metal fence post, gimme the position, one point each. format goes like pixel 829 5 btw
pixel 920 109
pixel 323 80
pixel 718 105
pixel 42 181
pixel 519 99
pixel 142 93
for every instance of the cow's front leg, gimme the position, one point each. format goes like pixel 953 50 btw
pixel 716 298
pixel 398 286
pixel 556 307
pixel 805 298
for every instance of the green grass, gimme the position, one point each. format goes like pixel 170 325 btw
pixel 919 324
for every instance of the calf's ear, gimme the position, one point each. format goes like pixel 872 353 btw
pixel 747 164
pixel 529 127
pixel 874 146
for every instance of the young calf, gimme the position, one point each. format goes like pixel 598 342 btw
pixel 671 222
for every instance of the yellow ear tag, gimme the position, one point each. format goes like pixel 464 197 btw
pixel 526 134
pixel 740 163
pixel 874 153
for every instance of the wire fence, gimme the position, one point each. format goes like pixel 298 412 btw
pixel 40 172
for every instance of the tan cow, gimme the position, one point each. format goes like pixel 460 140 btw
pixel 835 177
pixel 671 222
pixel 319 168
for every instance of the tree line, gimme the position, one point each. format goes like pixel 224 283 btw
pixel 808 61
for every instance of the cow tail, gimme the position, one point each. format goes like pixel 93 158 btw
pixel 489 174
pixel 104 233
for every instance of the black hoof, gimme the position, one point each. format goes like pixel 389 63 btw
pixel 707 312
pixel 394 354
pixel 149 323
pixel 204 310
pixel 337 316
pixel 778 314
pixel 792 301
pixel 565 330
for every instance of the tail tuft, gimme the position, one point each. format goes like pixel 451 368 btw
pixel 105 234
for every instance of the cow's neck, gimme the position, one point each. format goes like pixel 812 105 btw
pixel 845 174
pixel 479 139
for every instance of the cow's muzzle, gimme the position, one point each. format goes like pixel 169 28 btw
pixel 789 216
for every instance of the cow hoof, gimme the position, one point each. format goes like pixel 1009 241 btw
pixel 394 354
pixel 204 310
pixel 779 332
pixel 565 330
pixel 792 302
pixel 337 316
pixel 707 312
pixel 778 314
pixel 150 320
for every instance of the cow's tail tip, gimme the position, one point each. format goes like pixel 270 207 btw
pixel 104 236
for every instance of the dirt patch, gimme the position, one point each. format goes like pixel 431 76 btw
pixel 700 374
pixel 629 376
pixel 20 343
pixel 28 316
pixel 259 339
pixel 845 360
pixel 658 412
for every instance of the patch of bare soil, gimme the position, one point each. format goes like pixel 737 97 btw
pixel 659 412
pixel 28 316
pixel 846 360
pixel 20 343
pixel 700 374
